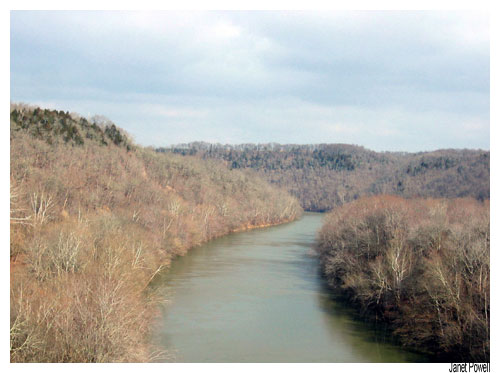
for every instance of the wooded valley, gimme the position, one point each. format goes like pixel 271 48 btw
pixel 407 238
pixel 94 218
pixel 328 175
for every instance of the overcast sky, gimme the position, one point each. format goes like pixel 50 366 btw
pixel 406 81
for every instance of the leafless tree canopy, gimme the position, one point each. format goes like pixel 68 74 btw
pixel 324 176
pixel 94 218
pixel 421 264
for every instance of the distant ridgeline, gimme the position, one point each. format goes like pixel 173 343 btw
pixel 327 175
pixel 54 126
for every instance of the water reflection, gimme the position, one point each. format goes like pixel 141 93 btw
pixel 369 339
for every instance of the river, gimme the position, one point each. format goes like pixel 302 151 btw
pixel 257 296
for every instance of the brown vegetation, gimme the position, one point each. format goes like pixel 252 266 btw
pixel 94 218
pixel 325 176
pixel 423 265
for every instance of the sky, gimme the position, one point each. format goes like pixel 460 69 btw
pixel 386 80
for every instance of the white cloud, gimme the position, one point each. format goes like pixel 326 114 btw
pixel 225 30
pixel 388 81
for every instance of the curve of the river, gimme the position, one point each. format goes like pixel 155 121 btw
pixel 257 296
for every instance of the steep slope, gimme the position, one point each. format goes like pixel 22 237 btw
pixel 94 218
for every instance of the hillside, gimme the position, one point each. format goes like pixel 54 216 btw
pixel 94 218
pixel 421 265
pixel 327 175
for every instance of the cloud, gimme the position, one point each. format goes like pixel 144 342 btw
pixel 385 80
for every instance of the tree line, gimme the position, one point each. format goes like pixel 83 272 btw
pixel 325 176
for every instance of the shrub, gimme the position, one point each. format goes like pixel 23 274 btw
pixel 422 265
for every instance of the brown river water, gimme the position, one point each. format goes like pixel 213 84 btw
pixel 257 296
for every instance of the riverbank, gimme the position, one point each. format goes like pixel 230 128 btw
pixel 256 296
pixel 260 226
pixel 49 308
pixel 93 218
pixel 422 266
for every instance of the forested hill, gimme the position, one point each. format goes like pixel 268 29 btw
pixel 55 126
pixel 327 175
pixel 94 217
